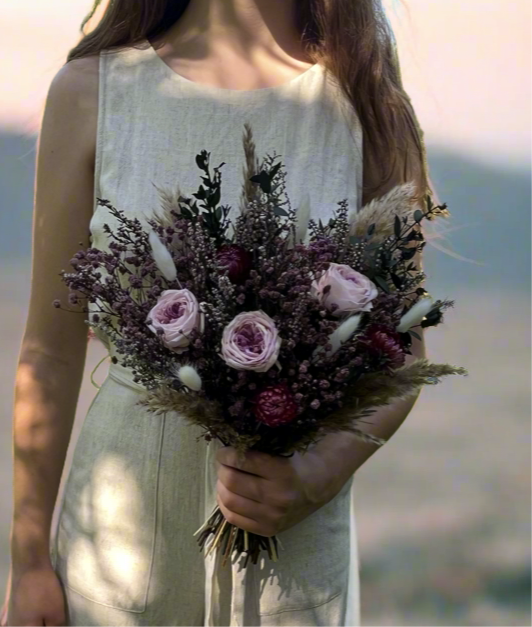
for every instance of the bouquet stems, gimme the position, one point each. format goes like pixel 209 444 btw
pixel 216 534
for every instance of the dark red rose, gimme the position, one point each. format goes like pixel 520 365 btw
pixel 384 342
pixel 237 260
pixel 275 405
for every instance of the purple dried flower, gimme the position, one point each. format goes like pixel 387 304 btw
pixel 275 405
pixel 383 343
pixel 236 260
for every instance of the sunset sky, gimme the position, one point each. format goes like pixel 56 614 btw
pixel 466 65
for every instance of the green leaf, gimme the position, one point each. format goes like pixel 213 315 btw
pixel 279 211
pixel 274 170
pixel 418 215
pixel 218 214
pixel 371 230
pixel 418 337
pixel 186 213
pixel 381 282
pixel 201 194
pixel 215 198
pixel 201 160
pixel 408 254
pixel 397 280
pixel 397 227
pixel 263 180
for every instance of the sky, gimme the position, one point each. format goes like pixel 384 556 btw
pixel 466 64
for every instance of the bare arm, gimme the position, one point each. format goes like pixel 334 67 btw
pixel 346 453
pixel 53 350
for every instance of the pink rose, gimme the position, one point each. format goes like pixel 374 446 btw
pixel 251 342
pixel 346 288
pixel 177 314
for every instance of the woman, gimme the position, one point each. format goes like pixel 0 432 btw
pixel 153 84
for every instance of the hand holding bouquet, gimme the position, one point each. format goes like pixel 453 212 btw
pixel 270 330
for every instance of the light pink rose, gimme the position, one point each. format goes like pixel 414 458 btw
pixel 348 289
pixel 177 314
pixel 251 342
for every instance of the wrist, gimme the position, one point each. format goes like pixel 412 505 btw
pixel 30 548
pixel 322 480
pixel 336 456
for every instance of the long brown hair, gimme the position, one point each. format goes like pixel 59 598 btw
pixel 351 38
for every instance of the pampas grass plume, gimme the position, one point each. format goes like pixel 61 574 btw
pixel 162 257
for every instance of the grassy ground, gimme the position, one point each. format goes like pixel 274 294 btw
pixel 443 510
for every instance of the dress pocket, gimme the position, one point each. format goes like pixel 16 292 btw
pixel 107 524
pixel 313 569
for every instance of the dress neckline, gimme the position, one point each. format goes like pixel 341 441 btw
pixel 222 91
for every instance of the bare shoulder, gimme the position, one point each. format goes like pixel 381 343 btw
pixel 73 101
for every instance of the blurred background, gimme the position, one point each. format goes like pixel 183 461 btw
pixel 443 510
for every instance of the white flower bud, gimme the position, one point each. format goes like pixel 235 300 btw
pixel 342 334
pixel 189 377
pixel 302 218
pixel 162 257
pixel 415 314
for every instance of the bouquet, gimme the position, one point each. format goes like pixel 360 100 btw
pixel 269 330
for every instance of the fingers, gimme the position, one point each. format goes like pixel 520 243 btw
pixel 256 463
pixel 239 504
pixel 260 518
pixel 241 483
pixel 245 523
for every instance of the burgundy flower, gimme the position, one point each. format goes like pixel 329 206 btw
pixel 237 260
pixel 383 342
pixel 275 405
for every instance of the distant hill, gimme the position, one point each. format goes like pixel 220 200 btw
pixel 17 172
pixel 494 206
pixel 492 201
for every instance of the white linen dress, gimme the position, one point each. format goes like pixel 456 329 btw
pixel 140 485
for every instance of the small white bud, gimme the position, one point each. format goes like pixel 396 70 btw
pixel 162 257
pixel 189 377
pixel 342 334
pixel 415 314
pixel 302 218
